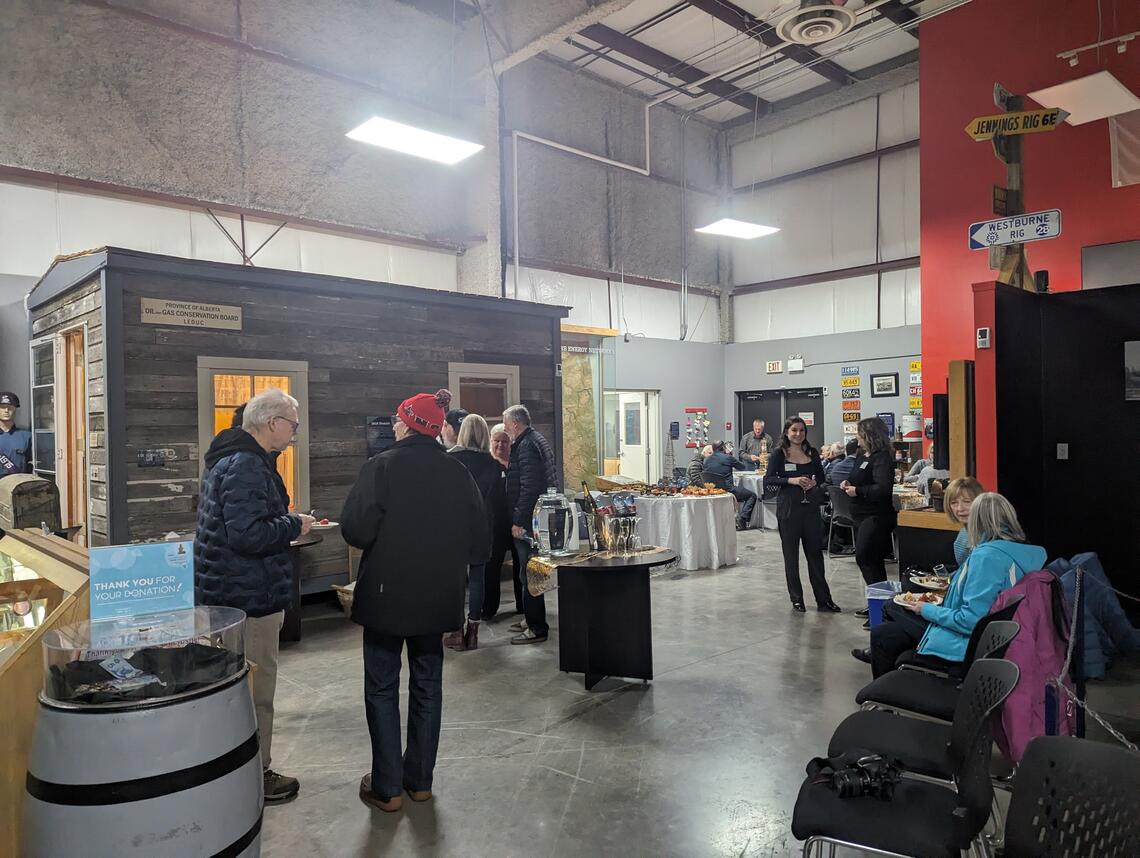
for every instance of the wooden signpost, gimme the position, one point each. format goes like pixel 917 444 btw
pixel 1005 130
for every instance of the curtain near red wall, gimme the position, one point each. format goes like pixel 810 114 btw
pixel 961 55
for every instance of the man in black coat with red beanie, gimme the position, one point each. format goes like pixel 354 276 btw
pixel 417 515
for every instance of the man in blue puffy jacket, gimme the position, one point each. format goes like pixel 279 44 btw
pixel 241 548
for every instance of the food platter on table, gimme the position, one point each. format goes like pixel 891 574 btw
pixel 706 490
pixel 911 599
pixel 930 582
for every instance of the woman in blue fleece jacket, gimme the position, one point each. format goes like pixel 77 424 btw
pixel 998 559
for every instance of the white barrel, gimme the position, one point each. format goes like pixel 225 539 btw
pixel 180 777
pixel 911 427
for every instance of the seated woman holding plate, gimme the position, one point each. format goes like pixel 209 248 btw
pixel 999 557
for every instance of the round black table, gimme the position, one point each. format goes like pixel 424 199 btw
pixel 291 627
pixel 604 619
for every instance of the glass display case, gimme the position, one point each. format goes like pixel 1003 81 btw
pixel 43 585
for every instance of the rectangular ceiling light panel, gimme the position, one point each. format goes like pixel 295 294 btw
pixel 737 228
pixel 1088 98
pixel 413 141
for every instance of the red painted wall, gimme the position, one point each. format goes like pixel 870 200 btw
pixel 961 55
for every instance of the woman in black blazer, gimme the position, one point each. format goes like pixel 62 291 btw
pixel 796 468
pixel 870 488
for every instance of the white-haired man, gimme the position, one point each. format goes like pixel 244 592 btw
pixel 241 548
pixel 531 472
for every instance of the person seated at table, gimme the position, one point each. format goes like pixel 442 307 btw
pixel 796 469
pixel 832 455
pixel 957 500
pixel 841 470
pixel 927 473
pixel 999 557
pixel 924 462
pixel 696 467
pixel 719 466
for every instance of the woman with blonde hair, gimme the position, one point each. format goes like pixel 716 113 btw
pixel 956 501
pixel 473 449
pixel 999 558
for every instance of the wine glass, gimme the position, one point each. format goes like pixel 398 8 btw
pixel 803 488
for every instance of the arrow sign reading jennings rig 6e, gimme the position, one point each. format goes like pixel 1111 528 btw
pixel 1022 122
pixel 1016 229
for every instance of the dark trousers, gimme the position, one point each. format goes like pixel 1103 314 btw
pixel 900 630
pixel 534 607
pixel 391 771
pixel 747 499
pixel 873 544
pixel 493 575
pixel 799 523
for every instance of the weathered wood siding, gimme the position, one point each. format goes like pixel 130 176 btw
pixel 365 356
pixel 84 304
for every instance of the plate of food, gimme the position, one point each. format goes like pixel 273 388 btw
pixel 325 524
pixel 930 582
pixel 913 599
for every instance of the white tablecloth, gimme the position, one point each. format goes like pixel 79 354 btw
pixel 763 515
pixel 702 530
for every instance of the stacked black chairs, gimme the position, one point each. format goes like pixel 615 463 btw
pixel 920 817
pixel 1074 798
pixel 928 695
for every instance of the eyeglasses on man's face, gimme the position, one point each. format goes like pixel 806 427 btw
pixel 294 424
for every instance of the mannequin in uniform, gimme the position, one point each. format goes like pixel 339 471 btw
pixel 15 444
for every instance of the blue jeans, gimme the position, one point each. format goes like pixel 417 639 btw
pixel 534 607
pixel 476 587
pixel 391 772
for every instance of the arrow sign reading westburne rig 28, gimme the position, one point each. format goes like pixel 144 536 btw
pixel 1016 229
pixel 1022 122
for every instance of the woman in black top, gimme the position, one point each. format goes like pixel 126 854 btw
pixel 869 487
pixel 795 467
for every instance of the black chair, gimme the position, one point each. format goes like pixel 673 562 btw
pixel 840 515
pixel 930 748
pixel 1074 797
pixel 926 695
pixel 913 660
pixel 921 818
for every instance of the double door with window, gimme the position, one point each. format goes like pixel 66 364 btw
pixel 776 406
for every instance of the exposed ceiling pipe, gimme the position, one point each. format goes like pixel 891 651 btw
pixel 684 235
pixel 516 135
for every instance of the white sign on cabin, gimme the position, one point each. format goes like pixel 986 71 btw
pixel 186 314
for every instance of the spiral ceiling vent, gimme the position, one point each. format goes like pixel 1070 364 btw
pixel 814 22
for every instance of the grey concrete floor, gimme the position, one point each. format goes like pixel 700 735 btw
pixel 705 760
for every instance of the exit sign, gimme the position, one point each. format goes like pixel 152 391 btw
pixel 775 366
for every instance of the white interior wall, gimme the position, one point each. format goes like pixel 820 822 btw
pixel 642 311
pixel 41 221
pixel 829 307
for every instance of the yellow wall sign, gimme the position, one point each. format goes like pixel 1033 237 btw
pixel 851 417
pixel 850 404
pixel 916 366
pixel 775 366
pixel 850 381
pixel 185 314
pixel 1022 122
pixel 915 402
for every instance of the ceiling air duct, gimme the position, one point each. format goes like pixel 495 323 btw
pixel 815 21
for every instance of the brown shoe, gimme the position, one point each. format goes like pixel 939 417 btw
pixel 454 640
pixel 419 794
pixel 471 636
pixel 388 805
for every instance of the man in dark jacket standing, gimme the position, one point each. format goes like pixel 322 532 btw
pixel 241 548
pixel 531 472
pixel 417 515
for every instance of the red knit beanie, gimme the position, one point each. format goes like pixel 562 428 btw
pixel 424 412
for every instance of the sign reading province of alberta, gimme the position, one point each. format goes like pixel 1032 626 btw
pixel 186 314
pixel 1022 122
pixel 1017 229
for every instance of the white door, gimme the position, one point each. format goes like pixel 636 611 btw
pixel 634 436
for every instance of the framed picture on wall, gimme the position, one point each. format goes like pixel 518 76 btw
pixel 885 384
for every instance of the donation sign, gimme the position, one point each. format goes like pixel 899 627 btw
pixel 141 579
